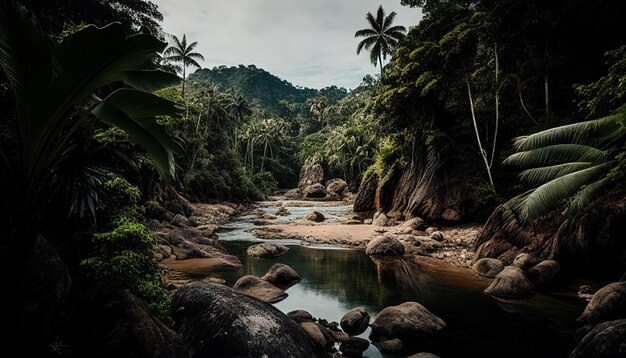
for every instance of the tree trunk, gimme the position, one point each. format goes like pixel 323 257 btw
pixel 483 153
pixel 497 96
pixel 380 60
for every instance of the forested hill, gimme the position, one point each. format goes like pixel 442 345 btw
pixel 262 88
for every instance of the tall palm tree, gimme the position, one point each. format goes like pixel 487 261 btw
pixel 380 38
pixel 181 53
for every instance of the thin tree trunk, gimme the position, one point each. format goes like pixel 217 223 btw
pixel 380 60
pixel 264 154
pixel 521 101
pixel 483 153
pixel 497 95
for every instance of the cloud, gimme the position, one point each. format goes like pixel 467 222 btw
pixel 307 42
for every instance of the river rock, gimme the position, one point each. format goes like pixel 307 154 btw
pixel 315 216
pixel 488 267
pixel 380 219
pixel 586 292
pixel 216 321
pixel 293 194
pixel 410 322
pixel 282 211
pixel 609 303
pixel 301 316
pixel 180 220
pixel 266 250
pixel 355 321
pixel 523 261
pixel 606 340
pixel 385 246
pixel 510 283
pixel 415 223
pixel 253 286
pixel 390 345
pixel 314 191
pixel 336 187
pixel 310 174
pixel 544 272
pixel 354 347
pixel 437 236
pixel 281 276
pixel 315 333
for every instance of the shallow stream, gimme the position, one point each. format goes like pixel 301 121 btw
pixel 335 280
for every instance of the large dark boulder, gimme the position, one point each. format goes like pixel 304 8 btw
pixel 409 322
pixel 385 246
pixel 544 272
pixel 314 191
pixel 315 216
pixel 254 286
pixel 510 283
pixel 216 321
pixel 337 188
pixel 487 267
pixel 606 340
pixel 609 303
pixel 355 321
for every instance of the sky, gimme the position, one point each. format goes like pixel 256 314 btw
pixel 309 43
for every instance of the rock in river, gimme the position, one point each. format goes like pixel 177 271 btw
pixel 544 272
pixel 314 191
pixel 281 276
pixel 606 340
pixel 266 250
pixel 510 283
pixel 385 246
pixel 355 321
pixel 216 321
pixel 609 303
pixel 301 316
pixel 354 347
pixel 315 216
pixel 409 322
pixel 488 267
pixel 263 290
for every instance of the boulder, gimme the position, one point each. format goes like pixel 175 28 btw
pixel 354 347
pixel 380 219
pixel 216 321
pixel 310 174
pixel 390 345
pixel 336 188
pixel 355 321
pixel 266 250
pixel 281 276
pixel 315 216
pixel 293 194
pixel 314 191
pixel 544 272
pixel 523 261
pixel 301 316
pixel 253 286
pixel 179 220
pixel 315 333
pixel 415 223
pixel 586 292
pixel 510 283
pixel 606 340
pixel 437 236
pixel 366 197
pixel 487 267
pixel 282 211
pixel 609 303
pixel 423 355
pixel 385 246
pixel 409 322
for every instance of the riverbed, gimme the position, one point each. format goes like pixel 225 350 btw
pixel 336 279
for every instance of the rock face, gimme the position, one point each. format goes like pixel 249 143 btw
pixel 281 276
pixel 216 321
pixel 590 241
pixel 609 303
pixel 544 272
pixel 355 321
pixel 366 197
pixel 266 250
pixel 606 340
pixel 314 191
pixel 310 174
pixel 337 188
pixel 254 286
pixel 385 246
pixel 315 216
pixel 487 267
pixel 510 283
pixel 409 322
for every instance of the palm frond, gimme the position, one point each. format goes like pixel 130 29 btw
pixel 555 154
pixel 370 18
pixel 588 194
pixel 389 20
pixel 365 33
pixel 536 176
pixel 366 43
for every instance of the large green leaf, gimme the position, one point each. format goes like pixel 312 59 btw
pixel 134 112
pixel 555 154
pixel 537 176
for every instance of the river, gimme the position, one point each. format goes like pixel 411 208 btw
pixel 335 280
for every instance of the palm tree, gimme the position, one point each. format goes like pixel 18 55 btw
pixel 381 38
pixel 182 54
pixel 567 162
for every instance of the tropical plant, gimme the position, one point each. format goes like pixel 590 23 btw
pixel 181 53
pixel 381 37
pixel 568 162
pixel 57 92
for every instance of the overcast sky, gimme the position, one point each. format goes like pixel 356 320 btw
pixel 306 42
